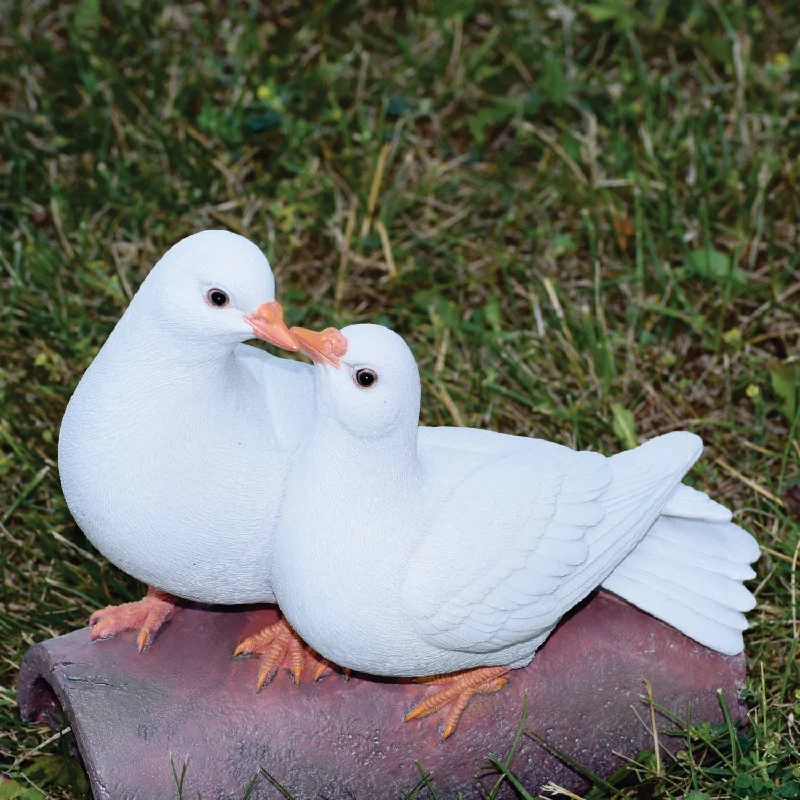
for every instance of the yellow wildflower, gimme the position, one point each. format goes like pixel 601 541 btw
pixel 733 337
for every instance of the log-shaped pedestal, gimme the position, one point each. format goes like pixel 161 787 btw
pixel 185 701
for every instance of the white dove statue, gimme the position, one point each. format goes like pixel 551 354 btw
pixel 397 560
pixel 175 446
pixel 158 444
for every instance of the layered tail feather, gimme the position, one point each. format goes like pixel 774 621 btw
pixel 688 571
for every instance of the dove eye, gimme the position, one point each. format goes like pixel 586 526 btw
pixel 217 298
pixel 366 377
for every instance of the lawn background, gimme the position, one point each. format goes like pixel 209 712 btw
pixel 584 218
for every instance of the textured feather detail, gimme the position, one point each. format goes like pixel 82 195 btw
pixel 525 538
pixel 688 573
pixel 565 552
pixel 691 504
pixel 726 541
pixel 661 602
pixel 672 542
pixel 700 584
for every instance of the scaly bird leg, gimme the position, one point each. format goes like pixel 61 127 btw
pixel 458 689
pixel 148 614
pixel 279 644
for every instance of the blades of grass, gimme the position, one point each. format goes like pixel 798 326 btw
pixel 654 727
pixel 690 747
pixel 688 730
pixel 510 777
pixel 277 784
pixel 735 751
pixel 787 450
pixel 514 745
pixel 426 780
pixel 30 486
pixel 179 781
pixel 250 787
pixel 567 759
pixel 790 663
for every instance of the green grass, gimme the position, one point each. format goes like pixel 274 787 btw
pixel 583 217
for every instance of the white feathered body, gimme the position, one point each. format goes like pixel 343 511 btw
pixel 468 554
pixel 175 470
pixel 174 463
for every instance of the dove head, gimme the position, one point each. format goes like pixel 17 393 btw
pixel 215 288
pixel 367 378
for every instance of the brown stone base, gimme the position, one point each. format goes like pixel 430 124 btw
pixel 187 700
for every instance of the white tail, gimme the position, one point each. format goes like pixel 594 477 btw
pixel 688 571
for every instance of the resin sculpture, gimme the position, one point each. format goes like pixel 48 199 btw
pixel 396 561
pixel 158 443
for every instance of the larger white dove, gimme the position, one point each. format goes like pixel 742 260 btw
pixel 397 560
pixel 175 446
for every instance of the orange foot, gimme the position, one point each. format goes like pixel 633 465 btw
pixel 279 644
pixel 148 614
pixel 458 689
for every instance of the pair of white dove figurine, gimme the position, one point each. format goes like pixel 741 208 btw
pixel 222 474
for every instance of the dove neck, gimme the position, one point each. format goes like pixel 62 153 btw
pixel 146 346
pixel 369 462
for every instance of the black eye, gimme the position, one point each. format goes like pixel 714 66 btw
pixel 366 377
pixel 217 297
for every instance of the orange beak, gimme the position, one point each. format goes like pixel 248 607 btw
pixel 325 347
pixel 267 324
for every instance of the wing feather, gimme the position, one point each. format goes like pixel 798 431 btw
pixel 523 538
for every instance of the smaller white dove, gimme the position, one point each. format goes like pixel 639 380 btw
pixel 398 560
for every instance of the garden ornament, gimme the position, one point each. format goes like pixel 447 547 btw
pixel 394 560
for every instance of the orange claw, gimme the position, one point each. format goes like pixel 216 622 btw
pixel 459 689
pixel 324 669
pixel 148 614
pixel 279 644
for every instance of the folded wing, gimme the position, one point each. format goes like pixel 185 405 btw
pixel 526 537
